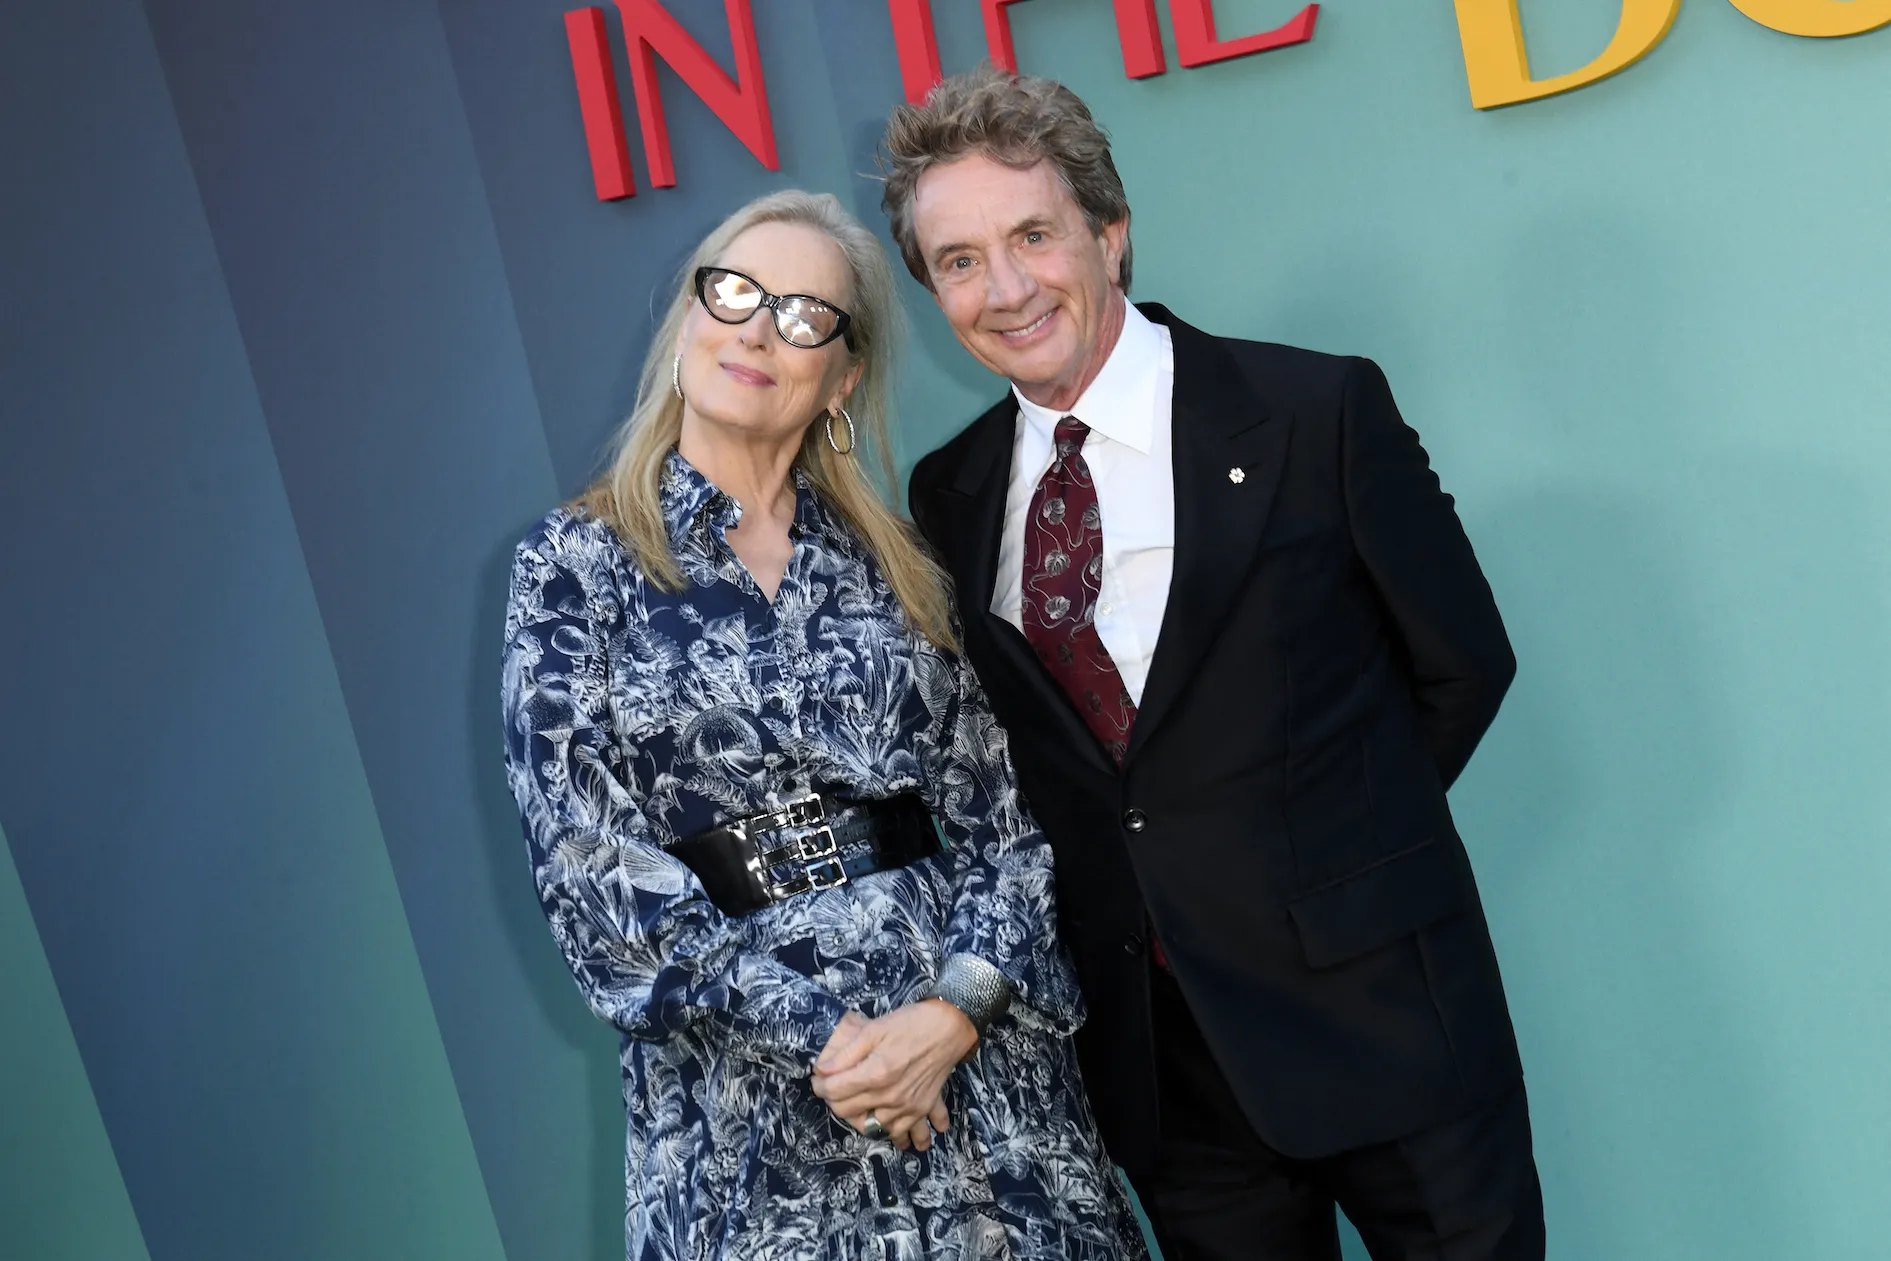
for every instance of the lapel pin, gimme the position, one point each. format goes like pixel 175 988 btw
pixel 1236 476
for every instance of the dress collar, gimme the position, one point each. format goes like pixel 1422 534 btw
pixel 1121 403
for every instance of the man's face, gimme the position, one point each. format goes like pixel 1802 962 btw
pixel 1030 290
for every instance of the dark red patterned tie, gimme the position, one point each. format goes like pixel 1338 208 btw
pixel 1063 571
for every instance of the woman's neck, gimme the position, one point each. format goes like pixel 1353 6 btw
pixel 754 472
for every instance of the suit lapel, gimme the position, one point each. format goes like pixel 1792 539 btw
pixel 1228 453
pixel 975 499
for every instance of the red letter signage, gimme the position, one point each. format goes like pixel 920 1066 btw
pixel 918 47
pixel 1495 61
pixel 1195 40
pixel 1136 30
pixel 1196 44
pixel 998 35
pixel 741 103
pixel 597 99
pixel 650 31
pixel 1141 38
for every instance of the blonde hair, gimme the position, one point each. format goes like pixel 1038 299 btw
pixel 1015 120
pixel 628 495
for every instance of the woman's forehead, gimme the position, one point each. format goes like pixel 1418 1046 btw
pixel 791 258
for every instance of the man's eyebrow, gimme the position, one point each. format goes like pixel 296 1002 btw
pixel 944 251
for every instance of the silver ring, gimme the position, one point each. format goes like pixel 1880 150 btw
pixel 872 1128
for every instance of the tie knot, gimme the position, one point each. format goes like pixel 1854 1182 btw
pixel 1071 431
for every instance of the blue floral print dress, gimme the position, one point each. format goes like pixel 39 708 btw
pixel 636 716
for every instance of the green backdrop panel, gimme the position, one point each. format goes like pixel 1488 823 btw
pixel 61 1195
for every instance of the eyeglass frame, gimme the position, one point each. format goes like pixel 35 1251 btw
pixel 844 327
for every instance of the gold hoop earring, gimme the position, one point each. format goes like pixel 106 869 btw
pixel 676 374
pixel 838 448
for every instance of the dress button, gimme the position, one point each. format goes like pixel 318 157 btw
pixel 1135 820
pixel 1132 945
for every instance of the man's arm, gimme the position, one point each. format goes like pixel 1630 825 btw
pixel 1408 534
pixel 919 497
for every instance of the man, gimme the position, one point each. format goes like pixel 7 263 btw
pixel 1242 647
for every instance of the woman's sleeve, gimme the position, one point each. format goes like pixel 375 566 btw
pixel 1004 909
pixel 651 953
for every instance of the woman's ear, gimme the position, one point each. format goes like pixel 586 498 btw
pixel 848 384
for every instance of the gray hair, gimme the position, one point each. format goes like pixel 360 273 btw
pixel 1016 120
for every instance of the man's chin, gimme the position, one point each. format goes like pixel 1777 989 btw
pixel 1039 369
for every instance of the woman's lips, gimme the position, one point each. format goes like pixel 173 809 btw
pixel 748 376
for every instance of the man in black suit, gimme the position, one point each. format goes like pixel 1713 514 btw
pixel 1242 647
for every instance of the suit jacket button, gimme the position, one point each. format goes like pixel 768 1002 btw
pixel 1132 945
pixel 1135 820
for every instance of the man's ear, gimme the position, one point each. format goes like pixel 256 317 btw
pixel 1115 238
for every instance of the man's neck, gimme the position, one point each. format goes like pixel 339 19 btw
pixel 1061 396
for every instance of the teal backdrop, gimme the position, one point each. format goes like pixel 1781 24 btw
pixel 307 311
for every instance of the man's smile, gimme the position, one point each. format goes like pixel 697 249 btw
pixel 1017 336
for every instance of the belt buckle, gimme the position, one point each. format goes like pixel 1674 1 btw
pixel 817 843
pixel 827 873
pixel 815 849
pixel 802 812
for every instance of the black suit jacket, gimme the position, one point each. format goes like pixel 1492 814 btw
pixel 1329 658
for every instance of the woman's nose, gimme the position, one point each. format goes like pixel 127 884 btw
pixel 758 330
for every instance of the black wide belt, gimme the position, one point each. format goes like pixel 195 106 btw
pixel 815 842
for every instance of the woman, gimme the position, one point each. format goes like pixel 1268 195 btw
pixel 733 710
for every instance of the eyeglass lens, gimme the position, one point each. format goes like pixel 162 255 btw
pixel 802 321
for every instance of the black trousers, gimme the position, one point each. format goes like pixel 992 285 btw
pixel 1466 1190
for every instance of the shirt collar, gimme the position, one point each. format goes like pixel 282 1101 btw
pixel 689 498
pixel 1121 403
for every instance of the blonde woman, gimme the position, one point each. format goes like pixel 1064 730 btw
pixel 734 711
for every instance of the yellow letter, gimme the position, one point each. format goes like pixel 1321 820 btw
pixel 1820 19
pixel 1499 69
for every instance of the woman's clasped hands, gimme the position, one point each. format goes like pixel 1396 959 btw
pixel 893 1070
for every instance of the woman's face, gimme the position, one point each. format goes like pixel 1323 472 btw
pixel 745 380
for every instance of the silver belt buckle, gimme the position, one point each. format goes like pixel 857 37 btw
pixel 827 873
pixel 814 847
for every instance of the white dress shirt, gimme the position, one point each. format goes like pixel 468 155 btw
pixel 1128 408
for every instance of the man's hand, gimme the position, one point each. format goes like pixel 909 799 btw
pixel 895 1069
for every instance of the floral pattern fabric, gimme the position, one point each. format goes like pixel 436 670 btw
pixel 635 716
